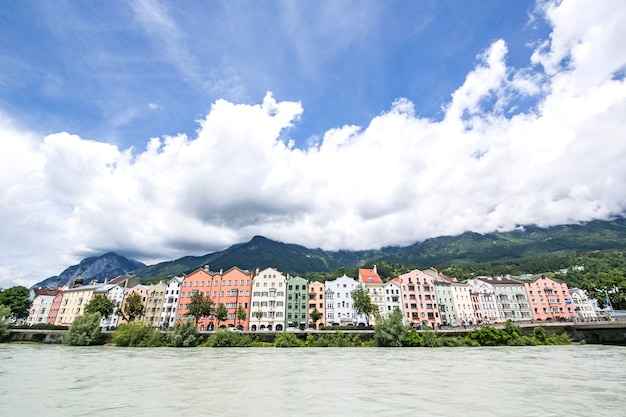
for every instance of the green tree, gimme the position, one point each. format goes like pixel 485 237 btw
pixel 363 304
pixel 390 331
pixel 5 317
pixel 259 315
pixel 241 314
pixel 102 305
pixel 200 306
pixel 84 331
pixel 183 335
pixel 18 300
pixel 221 314
pixel 133 307
pixel 315 316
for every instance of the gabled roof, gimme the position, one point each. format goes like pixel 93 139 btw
pixel 369 276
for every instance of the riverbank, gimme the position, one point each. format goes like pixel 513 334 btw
pixel 607 333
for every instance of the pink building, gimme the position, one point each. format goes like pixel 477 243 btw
pixel 550 299
pixel 419 298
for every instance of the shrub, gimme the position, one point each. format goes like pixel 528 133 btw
pixel 390 331
pixel 337 339
pixel 412 339
pixel 84 331
pixel 287 340
pixel 183 335
pixel 5 313
pixel 431 339
pixel 137 335
pixel 224 338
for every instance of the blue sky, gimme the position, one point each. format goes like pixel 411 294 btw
pixel 162 129
pixel 123 72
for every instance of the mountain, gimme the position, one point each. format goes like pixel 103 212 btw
pixel 469 247
pixel 524 242
pixel 109 265
pixel 261 253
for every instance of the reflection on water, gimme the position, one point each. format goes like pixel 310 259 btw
pixel 502 381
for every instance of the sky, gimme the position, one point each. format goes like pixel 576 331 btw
pixel 161 129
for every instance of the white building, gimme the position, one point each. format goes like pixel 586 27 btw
pixel 170 303
pixel 268 301
pixel 488 311
pixel 583 306
pixel 114 293
pixel 339 306
pixel 393 299
pixel 40 307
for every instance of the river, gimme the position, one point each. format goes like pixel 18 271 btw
pixel 53 380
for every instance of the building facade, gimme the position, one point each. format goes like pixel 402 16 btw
pixel 268 301
pixel 297 309
pixel 317 304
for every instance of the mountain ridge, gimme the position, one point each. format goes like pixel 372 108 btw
pixel 469 247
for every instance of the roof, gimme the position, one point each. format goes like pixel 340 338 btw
pixel 369 276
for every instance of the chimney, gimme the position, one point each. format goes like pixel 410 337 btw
pixel 206 268
pixel 375 269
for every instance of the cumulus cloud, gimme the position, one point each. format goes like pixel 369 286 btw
pixel 483 167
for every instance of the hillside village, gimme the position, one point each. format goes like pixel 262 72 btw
pixel 268 300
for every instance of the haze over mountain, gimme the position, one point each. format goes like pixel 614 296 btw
pixel 261 252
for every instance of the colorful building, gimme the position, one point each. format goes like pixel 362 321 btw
pixel 316 303
pixel 550 299
pixel 268 301
pixel 374 286
pixel 170 303
pixel 419 298
pixel 297 309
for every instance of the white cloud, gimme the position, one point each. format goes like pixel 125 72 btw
pixel 398 180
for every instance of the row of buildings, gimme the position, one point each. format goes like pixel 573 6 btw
pixel 275 301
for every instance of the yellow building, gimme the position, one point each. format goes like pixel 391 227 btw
pixel 73 303
pixel 154 304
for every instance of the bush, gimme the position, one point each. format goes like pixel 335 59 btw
pixel 287 340
pixel 183 335
pixel 137 335
pixel 84 331
pixel 390 331
pixel 5 313
pixel 431 339
pixel 224 338
pixel 412 339
pixel 337 339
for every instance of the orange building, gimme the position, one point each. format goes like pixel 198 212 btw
pixel 316 302
pixel 231 288
pixel 549 298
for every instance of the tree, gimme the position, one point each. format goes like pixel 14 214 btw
pixel 240 314
pixel 259 315
pixel 362 303
pixel 5 316
pixel 133 307
pixel 390 331
pixel 84 331
pixel 200 306
pixel 102 305
pixel 18 300
pixel 221 313
pixel 315 316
